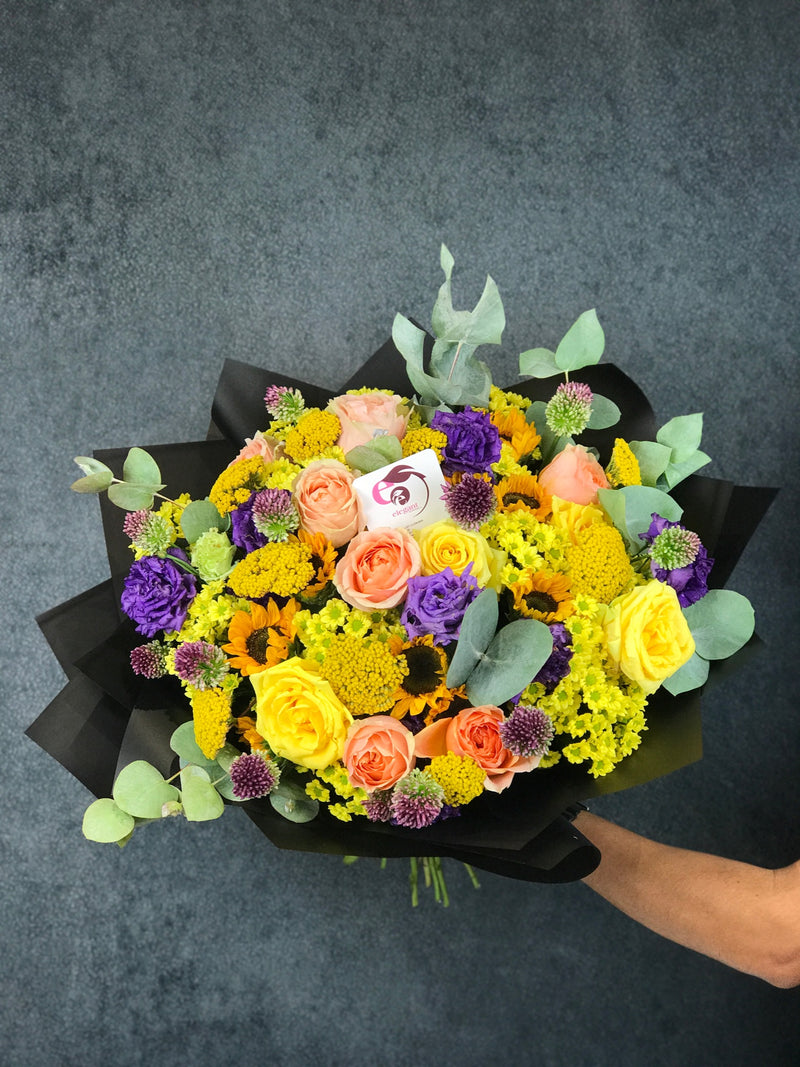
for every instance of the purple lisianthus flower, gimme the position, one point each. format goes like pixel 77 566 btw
pixel 243 527
pixel 678 559
pixel 473 442
pixel 436 603
pixel 158 593
pixel 556 666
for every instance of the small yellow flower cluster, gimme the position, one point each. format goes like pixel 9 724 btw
pixel 280 568
pixel 590 705
pixel 530 544
pixel 460 777
pixel 236 483
pixel 171 510
pixel 502 400
pixel 597 562
pixel 211 709
pixel 280 474
pixel 623 467
pixel 354 797
pixel 418 440
pixel 315 431
pixel 508 463
pixel 315 628
pixel 364 675
pixel 210 613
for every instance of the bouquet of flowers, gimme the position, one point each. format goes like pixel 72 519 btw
pixel 420 617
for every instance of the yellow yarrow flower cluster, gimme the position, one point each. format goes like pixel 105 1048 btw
pixel 597 562
pixel 236 483
pixel 211 709
pixel 590 705
pixel 281 568
pixel 623 467
pixel 315 431
pixel 417 440
pixel 460 777
pixel 364 675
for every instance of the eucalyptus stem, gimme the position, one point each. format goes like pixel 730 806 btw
pixel 455 360
pixel 413 879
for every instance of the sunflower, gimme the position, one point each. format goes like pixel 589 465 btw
pixel 544 596
pixel 522 492
pixel 259 638
pixel 323 559
pixel 512 425
pixel 423 690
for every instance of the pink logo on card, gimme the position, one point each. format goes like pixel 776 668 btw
pixel 393 488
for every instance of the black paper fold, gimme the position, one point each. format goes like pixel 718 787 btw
pixel 105 716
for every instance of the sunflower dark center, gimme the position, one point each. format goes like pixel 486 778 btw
pixel 537 600
pixel 520 498
pixel 257 643
pixel 424 667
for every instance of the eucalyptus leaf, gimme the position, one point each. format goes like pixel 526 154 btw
pixel 93 483
pixel 388 445
pixel 538 363
pixel 483 325
pixel 141 469
pixel 721 623
pixel 291 801
pixel 183 744
pixel 477 630
pixel 201 801
pixel 460 378
pixel 582 344
pixel 105 821
pixel 683 435
pixel 676 472
pixel 604 413
pixel 652 458
pixel 90 465
pixel 691 675
pixel 132 497
pixel 514 657
pixel 410 343
pixel 140 790
pixel 641 502
pixel 366 458
pixel 199 517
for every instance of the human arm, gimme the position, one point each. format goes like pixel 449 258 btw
pixel 744 916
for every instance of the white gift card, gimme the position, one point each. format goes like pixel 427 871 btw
pixel 405 493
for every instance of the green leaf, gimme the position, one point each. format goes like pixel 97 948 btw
pixel 477 630
pixel 483 325
pixel 141 469
pixel 641 502
pixel 388 445
pixel 410 343
pixel 652 458
pixel 199 517
pixel 131 497
pixel 683 435
pixel 93 483
pixel 513 658
pixel 140 790
pixel 691 675
pixel 201 801
pixel 459 377
pixel 368 458
pixel 105 821
pixel 582 344
pixel 90 465
pixel 604 413
pixel 676 472
pixel 183 743
pixel 721 623
pixel 538 363
pixel 291 801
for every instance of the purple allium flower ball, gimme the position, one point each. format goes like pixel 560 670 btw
pixel 435 604
pixel 689 582
pixel 149 660
pixel 473 442
pixel 416 801
pixel 528 731
pixel 201 664
pixel 378 805
pixel 253 776
pixel 471 501
pixel 157 594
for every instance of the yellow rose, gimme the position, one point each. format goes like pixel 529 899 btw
pixel 299 714
pixel 446 544
pixel 647 635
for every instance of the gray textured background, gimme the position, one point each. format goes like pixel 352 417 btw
pixel 267 180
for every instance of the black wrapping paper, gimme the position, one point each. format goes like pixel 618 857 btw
pixel 106 717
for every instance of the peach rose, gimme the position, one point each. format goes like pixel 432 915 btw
pixel 266 447
pixel 475 732
pixel 366 414
pixel 574 475
pixel 378 752
pixel 327 501
pixel 647 634
pixel 374 571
